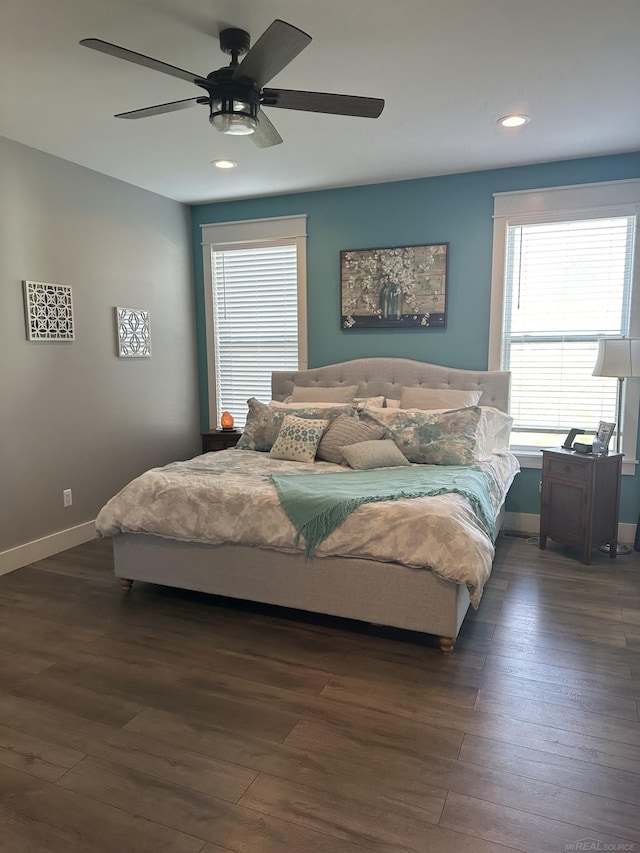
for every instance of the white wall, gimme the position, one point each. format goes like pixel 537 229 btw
pixel 73 414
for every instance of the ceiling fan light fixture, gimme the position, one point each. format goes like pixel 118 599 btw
pixel 234 117
pixel 515 120
pixel 234 125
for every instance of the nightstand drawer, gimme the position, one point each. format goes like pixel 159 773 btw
pixel 219 439
pixel 573 468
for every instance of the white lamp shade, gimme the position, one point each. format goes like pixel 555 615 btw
pixel 618 357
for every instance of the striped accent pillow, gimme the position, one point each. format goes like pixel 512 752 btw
pixel 343 431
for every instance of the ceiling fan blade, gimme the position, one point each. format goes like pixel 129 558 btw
pixel 161 108
pixel 141 59
pixel 276 47
pixel 265 134
pixel 322 102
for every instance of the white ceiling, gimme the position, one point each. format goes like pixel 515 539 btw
pixel 448 69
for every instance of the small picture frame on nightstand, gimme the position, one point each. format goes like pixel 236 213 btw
pixel 603 437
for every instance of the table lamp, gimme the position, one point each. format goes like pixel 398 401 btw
pixel 619 357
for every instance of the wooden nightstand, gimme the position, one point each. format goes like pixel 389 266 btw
pixel 580 500
pixel 219 439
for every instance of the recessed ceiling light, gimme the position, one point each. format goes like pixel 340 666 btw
pixel 224 164
pixel 516 120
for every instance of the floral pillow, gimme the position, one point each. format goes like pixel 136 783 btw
pixel 298 439
pixel 446 438
pixel 264 422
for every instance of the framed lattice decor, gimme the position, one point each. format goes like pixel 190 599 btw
pixel 48 311
pixel 133 333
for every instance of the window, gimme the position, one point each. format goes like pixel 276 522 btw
pixel 564 271
pixel 567 284
pixel 256 285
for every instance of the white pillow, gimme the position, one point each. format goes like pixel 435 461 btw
pixel 298 439
pixel 494 431
pixel 277 404
pixel 418 397
pixel 369 402
pixel 318 394
pixel 392 404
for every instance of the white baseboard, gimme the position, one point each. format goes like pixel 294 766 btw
pixel 529 523
pixel 30 552
pixel 521 522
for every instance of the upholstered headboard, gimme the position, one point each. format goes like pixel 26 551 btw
pixel 388 376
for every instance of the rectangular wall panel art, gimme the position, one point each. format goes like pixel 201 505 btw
pixel 134 333
pixel 48 311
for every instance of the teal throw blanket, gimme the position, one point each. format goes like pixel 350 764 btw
pixel 318 503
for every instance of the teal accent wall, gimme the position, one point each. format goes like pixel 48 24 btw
pixel 455 209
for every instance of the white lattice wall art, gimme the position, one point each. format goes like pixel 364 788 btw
pixel 134 333
pixel 48 311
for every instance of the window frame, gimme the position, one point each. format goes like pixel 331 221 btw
pixel 582 201
pixel 245 234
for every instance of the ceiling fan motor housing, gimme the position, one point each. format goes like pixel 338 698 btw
pixel 233 102
pixel 235 42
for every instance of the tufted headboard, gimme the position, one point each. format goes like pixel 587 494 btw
pixel 388 376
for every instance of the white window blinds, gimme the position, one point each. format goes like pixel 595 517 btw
pixel 255 300
pixel 567 284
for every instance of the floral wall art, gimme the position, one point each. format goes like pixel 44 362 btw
pixel 401 287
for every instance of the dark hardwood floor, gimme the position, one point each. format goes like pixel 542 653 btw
pixel 172 722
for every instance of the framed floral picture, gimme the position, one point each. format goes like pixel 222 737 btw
pixel 400 287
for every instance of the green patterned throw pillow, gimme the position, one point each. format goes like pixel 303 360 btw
pixel 298 439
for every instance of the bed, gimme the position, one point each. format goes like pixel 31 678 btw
pixel 362 583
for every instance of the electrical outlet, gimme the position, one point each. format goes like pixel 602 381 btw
pixel 67 498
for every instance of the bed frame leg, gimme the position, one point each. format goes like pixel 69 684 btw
pixel 446 644
pixel 126 584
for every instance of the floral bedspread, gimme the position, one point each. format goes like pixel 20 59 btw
pixel 229 497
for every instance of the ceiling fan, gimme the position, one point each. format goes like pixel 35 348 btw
pixel 235 93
